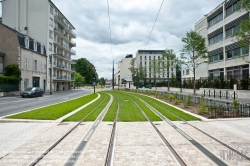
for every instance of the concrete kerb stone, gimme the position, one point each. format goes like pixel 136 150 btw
pixel 3 117
pixel 78 109
pixel 198 116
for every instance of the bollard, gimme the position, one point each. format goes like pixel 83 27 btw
pixel 220 94
pixel 214 93
pixel 209 93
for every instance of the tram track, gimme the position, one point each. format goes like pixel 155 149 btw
pixel 85 139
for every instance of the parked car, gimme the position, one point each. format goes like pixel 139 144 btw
pixel 32 92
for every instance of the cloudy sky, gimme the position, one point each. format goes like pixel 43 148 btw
pixel 131 23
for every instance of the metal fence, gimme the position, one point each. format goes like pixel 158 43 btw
pixel 216 108
pixel 9 87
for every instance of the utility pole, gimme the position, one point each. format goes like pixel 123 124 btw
pixel 50 56
pixel 113 76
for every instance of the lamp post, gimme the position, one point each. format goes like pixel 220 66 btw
pixel 50 58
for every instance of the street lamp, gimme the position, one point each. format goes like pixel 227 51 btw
pixel 50 58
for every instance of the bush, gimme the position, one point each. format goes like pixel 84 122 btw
pixel 202 109
pixel 171 98
pixel 176 102
pixel 181 97
pixel 9 80
pixel 188 100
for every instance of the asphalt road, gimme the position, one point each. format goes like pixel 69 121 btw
pixel 11 105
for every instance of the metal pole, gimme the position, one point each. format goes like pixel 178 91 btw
pixel 137 78
pixel 50 74
pixel 94 88
pixel 113 76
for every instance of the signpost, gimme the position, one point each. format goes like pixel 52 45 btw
pixel 94 83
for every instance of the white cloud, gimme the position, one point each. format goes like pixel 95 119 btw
pixel 131 23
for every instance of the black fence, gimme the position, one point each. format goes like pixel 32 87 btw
pixel 9 87
pixel 215 108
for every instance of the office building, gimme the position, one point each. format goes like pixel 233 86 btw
pixel 44 22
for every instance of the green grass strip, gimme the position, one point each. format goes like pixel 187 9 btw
pixel 96 113
pixel 162 108
pixel 56 111
pixel 110 115
pixel 152 116
pixel 85 111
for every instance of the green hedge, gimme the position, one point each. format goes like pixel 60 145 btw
pixel 9 80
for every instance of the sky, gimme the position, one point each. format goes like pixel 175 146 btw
pixel 131 22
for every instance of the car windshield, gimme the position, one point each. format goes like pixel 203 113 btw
pixel 30 89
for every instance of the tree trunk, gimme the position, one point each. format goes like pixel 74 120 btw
pixel 194 81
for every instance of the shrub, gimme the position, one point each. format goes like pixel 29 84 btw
pixel 189 100
pixel 176 102
pixel 181 96
pixel 171 98
pixel 202 109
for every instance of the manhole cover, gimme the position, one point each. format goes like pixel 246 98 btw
pixel 157 124
pixel 62 124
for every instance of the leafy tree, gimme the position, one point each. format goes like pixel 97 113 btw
pixel 79 79
pixel 243 36
pixel 168 61
pixel 102 81
pixel 141 73
pixel 86 69
pixel 193 52
pixel 12 70
pixel 154 68
pixel 133 69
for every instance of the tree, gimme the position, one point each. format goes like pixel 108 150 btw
pixel 133 69
pixel 193 52
pixel 12 70
pixel 168 61
pixel 79 79
pixel 242 37
pixel 154 68
pixel 86 69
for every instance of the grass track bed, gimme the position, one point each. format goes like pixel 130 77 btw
pixel 56 111
pixel 102 102
pixel 162 108
pixel 110 115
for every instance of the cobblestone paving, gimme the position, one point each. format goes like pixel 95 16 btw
pixel 188 152
pixel 26 153
pixel 138 144
pixel 96 150
pixel 225 154
pixel 14 135
pixel 60 154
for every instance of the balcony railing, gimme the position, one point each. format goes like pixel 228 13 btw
pixel 61 21
pixel 62 33
pixel 72 79
pixel 72 69
pixel 73 51
pixel 64 78
pixel 73 33
pixel 72 43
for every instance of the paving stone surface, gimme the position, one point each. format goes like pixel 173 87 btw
pixel 138 144
pixel 60 154
pixel 225 154
pixel 187 151
pixel 95 152
pixel 29 151
pixel 13 135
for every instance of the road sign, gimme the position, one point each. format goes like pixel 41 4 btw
pixel 93 83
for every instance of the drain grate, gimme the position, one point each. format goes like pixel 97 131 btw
pixel 62 124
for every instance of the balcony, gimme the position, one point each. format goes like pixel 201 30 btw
pixel 72 43
pixel 72 69
pixel 63 78
pixel 60 20
pixel 62 34
pixel 73 33
pixel 73 52
pixel 72 79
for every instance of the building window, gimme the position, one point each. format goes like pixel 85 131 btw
pixel 154 57
pixel 50 46
pixel 140 63
pixel 149 57
pixel 187 72
pixel 215 58
pixel 237 52
pixel 51 9
pixel 183 72
pixel 35 65
pixel 42 50
pixel 145 63
pixel 27 64
pixel 51 22
pixel 35 46
pixel 145 57
pixel 159 57
pixel 232 30
pixel 215 20
pixel 140 57
pixel 216 39
pixel 50 34
pixel 26 41
pixel 233 8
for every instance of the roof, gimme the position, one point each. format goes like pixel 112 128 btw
pixel 21 37
pixel 153 51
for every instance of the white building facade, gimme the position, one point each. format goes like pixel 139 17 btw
pixel 123 72
pixel 144 57
pixel 43 21
pixel 225 57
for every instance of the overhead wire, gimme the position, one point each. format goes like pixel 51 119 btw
pixel 154 24
pixel 110 32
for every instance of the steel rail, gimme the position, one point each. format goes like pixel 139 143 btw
pixel 34 162
pixel 112 138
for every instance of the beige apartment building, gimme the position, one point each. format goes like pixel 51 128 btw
pixel 17 48
pixel 123 73
pixel 43 21
pixel 226 57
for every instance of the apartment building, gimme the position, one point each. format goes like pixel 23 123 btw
pixel 28 53
pixel 144 57
pixel 123 72
pixel 226 57
pixel 43 21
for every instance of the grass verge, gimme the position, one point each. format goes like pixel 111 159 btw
pixel 85 111
pixel 110 115
pixel 56 111
pixel 164 108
